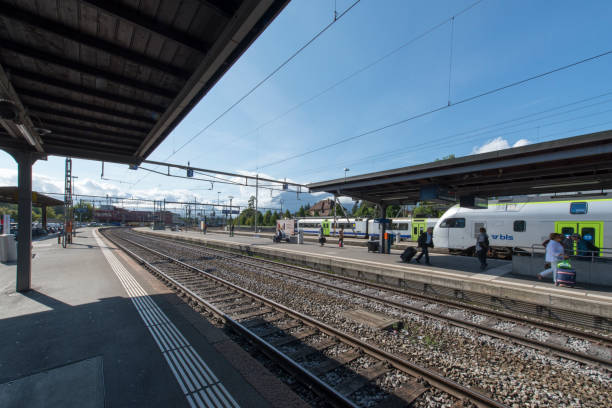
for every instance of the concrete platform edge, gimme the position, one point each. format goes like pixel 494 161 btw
pixel 389 275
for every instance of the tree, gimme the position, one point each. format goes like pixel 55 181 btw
pixel 316 213
pixel 267 218
pixel 366 210
pixel 274 218
pixel 301 212
pixel 392 211
pixel 83 211
pixel 252 202
pixel 447 157
pixel 287 214
pixel 355 207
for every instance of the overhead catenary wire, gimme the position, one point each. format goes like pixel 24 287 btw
pixel 266 78
pixel 438 109
pixel 493 133
pixel 235 183
pixel 261 82
pixel 357 72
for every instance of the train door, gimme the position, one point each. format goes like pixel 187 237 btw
pixel 418 226
pixel 326 227
pixel 591 231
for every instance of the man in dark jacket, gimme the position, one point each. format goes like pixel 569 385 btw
pixel 482 247
pixel 425 241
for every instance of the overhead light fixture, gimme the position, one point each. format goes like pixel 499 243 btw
pixel 26 133
pixel 577 183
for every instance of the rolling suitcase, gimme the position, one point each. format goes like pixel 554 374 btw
pixel 408 254
pixel 566 274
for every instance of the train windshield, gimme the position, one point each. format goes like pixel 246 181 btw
pixel 453 223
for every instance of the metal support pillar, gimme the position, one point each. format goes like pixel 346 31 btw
pixel 25 161
pixel 44 217
pixel 257 201
pixel 383 227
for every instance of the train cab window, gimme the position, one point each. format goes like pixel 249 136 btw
pixel 520 226
pixel 579 208
pixel 453 223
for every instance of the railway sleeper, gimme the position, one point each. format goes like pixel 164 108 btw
pixel 362 377
pixel 290 338
pixel 330 363
pixel 243 307
pixel 404 395
pixel 251 314
pixel 260 321
pixel 307 350
pixel 232 297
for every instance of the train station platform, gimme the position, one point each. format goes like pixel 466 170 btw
pixel 97 330
pixel 455 276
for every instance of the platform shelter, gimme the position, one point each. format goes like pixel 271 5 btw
pixel 106 80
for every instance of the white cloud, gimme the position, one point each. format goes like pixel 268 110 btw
pixel 521 142
pixel 499 143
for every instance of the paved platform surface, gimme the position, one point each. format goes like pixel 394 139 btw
pixel 455 271
pixel 96 330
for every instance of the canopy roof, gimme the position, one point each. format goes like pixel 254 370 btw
pixel 11 195
pixel 577 163
pixel 110 79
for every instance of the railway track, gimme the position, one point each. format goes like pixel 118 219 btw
pixel 593 348
pixel 316 349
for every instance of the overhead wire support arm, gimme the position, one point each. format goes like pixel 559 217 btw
pixel 246 177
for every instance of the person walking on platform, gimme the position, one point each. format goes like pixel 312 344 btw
pixel 554 254
pixel 425 241
pixel 231 229
pixel 482 247
pixel 568 244
pixel 341 237
pixel 321 236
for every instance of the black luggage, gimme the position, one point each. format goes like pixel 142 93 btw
pixel 408 254
pixel 373 246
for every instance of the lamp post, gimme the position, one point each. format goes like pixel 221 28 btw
pixel 346 170
pixel 230 214
pixel 74 194
pixel 218 199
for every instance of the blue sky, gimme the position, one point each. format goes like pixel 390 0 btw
pixel 494 43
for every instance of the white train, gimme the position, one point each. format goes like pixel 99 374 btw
pixel 406 228
pixel 521 222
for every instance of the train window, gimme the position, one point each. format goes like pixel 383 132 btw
pixel 588 234
pixel 453 223
pixel 520 226
pixel 579 208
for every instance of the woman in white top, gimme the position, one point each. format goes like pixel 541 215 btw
pixel 554 254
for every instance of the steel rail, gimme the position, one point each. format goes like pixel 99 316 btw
pixel 497 333
pixel 479 309
pixel 443 383
pixel 320 387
